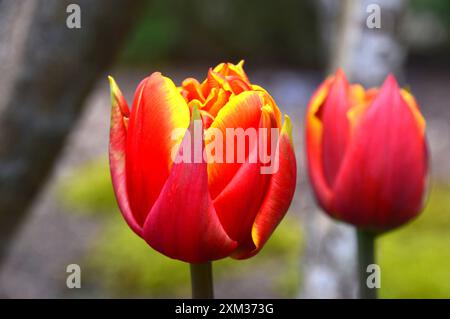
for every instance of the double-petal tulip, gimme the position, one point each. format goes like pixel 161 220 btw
pixel 199 211
pixel 367 153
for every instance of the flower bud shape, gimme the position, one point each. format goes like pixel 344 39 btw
pixel 366 153
pixel 190 207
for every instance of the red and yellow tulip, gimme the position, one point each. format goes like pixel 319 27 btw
pixel 199 211
pixel 367 153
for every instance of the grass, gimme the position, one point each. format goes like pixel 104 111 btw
pixel 89 189
pixel 415 260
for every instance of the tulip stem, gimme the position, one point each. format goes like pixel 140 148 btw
pixel 366 256
pixel 202 281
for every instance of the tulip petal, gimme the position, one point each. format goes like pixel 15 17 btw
pixel 242 111
pixel 412 103
pixel 336 127
pixel 157 111
pixel 239 202
pixel 230 69
pixel 360 102
pixel 216 100
pixel 117 145
pixel 314 132
pixel 383 175
pixel 237 85
pixel 193 90
pixel 214 80
pixel 268 100
pixel 279 194
pixel 183 223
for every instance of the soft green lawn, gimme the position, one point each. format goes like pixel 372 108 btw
pixel 415 259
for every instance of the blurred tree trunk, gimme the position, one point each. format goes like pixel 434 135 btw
pixel 47 71
pixel 367 57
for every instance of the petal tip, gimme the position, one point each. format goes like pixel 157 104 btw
pixel 112 85
pixel 156 74
pixel 340 77
pixel 287 127
pixel 340 72
pixel 117 98
pixel 391 82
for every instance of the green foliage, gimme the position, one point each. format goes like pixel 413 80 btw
pixel 440 11
pixel 283 31
pixel 415 259
pixel 440 8
pixel 89 189
pixel 155 36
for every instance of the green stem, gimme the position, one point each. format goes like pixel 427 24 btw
pixel 366 256
pixel 202 281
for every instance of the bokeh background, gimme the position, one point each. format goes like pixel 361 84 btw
pixel 54 110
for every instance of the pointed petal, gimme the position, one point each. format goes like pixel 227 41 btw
pixel 360 102
pixel 216 100
pixel 230 69
pixel 242 111
pixel 314 132
pixel 239 202
pixel 183 223
pixel 382 180
pixel 117 144
pixel 157 111
pixel 193 89
pixel 414 107
pixel 237 85
pixel 214 80
pixel 238 70
pixel 336 127
pixel 271 102
pixel 279 195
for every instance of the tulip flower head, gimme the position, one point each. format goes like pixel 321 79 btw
pixel 201 208
pixel 367 153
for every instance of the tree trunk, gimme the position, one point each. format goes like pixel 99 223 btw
pixel 47 72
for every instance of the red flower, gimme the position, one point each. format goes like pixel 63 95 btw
pixel 367 153
pixel 198 211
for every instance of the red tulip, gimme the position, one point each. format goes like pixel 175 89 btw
pixel 197 211
pixel 367 153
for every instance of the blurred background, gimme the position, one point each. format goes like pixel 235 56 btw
pixel 56 201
